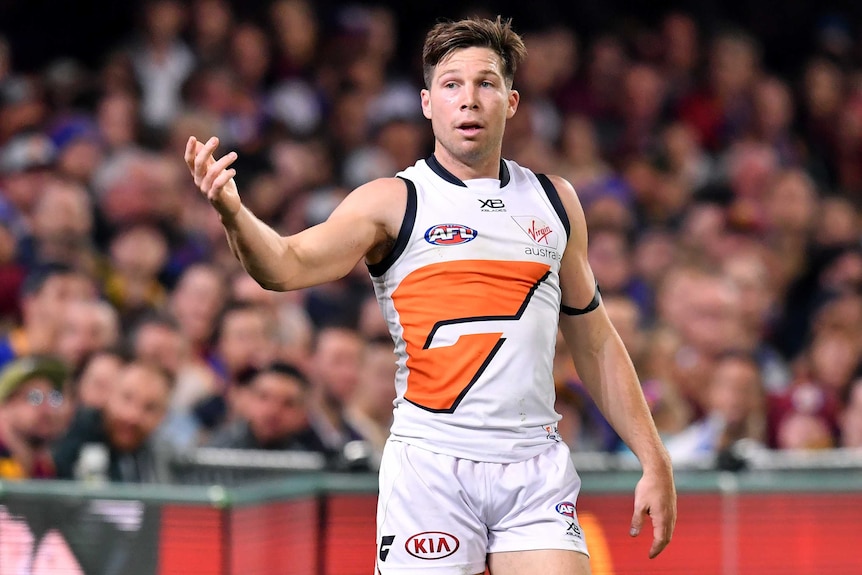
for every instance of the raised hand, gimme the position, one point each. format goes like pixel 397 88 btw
pixel 214 177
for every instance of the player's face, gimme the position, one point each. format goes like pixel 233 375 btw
pixel 468 104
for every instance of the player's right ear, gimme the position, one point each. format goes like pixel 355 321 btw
pixel 426 103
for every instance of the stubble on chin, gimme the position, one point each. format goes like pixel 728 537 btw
pixel 472 153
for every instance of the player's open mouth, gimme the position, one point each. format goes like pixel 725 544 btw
pixel 469 128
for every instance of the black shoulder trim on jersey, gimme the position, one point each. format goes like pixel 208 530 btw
pixel 554 197
pixel 438 169
pixel 505 176
pixel 597 299
pixel 407 224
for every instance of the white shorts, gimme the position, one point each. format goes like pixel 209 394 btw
pixel 438 514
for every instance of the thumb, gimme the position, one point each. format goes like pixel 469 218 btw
pixel 637 523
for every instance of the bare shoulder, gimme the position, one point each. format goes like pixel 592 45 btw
pixel 562 184
pixel 381 203
pixel 381 194
pixel 383 186
pixel 385 198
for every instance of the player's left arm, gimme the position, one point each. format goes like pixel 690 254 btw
pixel 605 368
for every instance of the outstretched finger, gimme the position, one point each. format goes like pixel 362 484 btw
pixel 211 179
pixel 223 178
pixel 204 158
pixel 190 153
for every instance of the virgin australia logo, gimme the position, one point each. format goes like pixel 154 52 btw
pixel 540 232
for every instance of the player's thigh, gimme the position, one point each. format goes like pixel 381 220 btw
pixel 426 518
pixel 534 505
pixel 544 561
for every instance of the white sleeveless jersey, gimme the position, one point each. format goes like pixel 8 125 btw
pixel 471 294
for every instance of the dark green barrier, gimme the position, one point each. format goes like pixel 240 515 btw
pixel 789 522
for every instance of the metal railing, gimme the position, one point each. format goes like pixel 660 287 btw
pixel 743 455
pixel 235 467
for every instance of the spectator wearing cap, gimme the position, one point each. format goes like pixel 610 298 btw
pixel 24 165
pixel 31 397
pixel 79 146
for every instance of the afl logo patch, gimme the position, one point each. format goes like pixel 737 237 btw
pixel 566 508
pixel 432 545
pixel 450 234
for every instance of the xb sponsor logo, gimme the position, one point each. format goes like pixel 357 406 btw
pixel 492 205
pixel 573 528
pixel 432 545
pixel 450 234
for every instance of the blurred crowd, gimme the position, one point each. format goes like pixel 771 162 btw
pixel 722 201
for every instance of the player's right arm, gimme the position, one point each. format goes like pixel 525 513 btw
pixel 363 225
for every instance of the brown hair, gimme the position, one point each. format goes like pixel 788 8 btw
pixel 498 35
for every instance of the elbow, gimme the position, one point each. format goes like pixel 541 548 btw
pixel 274 285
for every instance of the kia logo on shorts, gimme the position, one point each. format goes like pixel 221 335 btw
pixel 566 508
pixel 432 545
pixel 450 234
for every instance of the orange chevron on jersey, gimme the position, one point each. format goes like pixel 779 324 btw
pixel 463 291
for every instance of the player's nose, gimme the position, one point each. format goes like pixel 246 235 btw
pixel 470 98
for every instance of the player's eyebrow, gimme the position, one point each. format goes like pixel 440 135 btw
pixel 458 69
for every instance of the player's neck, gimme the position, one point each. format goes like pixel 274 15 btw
pixel 486 167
